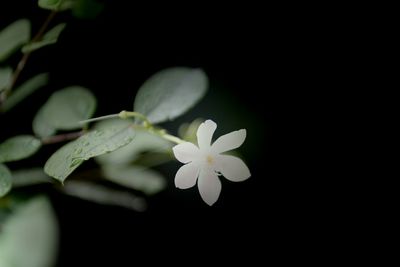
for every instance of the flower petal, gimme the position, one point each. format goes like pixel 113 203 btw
pixel 187 175
pixel 232 168
pixel 186 152
pixel 229 141
pixel 209 186
pixel 205 133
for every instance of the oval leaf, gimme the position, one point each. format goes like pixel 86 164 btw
pixel 14 36
pixel 87 9
pixel 58 5
pixel 5 77
pixel 41 126
pixel 49 4
pixel 28 177
pixel 5 180
pixel 64 110
pixel 29 236
pixel 145 180
pixel 144 142
pixel 170 93
pixel 51 37
pixel 18 147
pixel 104 195
pixel 26 89
pixel 70 156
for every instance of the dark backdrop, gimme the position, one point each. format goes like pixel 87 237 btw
pixel 247 56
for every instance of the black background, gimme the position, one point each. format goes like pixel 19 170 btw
pixel 249 56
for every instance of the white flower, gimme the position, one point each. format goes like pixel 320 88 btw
pixel 205 163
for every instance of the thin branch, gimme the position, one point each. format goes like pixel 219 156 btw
pixel 42 29
pixel 17 72
pixel 100 118
pixel 25 57
pixel 61 138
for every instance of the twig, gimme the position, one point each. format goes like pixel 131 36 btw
pixel 61 137
pixel 25 57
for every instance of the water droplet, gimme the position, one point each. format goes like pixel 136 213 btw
pixel 75 162
pixel 98 133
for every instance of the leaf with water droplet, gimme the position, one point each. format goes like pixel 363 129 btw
pixel 75 162
pixel 65 160
pixel 19 147
pixel 144 142
pixel 5 180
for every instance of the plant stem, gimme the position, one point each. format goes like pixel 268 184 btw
pixel 172 138
pixel 100 118
pixel 61 137
pixel 132 114
pixel 146 124
pixel 42 29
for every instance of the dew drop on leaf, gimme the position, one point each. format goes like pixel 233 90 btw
pixel 75 162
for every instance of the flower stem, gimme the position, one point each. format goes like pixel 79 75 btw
pixel 172 138
pixel 100 118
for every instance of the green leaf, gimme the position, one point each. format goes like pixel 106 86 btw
pixel 70 156
pixel 145 180
pixel 5 77
pixel 144 142
pixel 170 93
pixel 14 36
pixel 103 195
pixel 28 177
pixel 25 90
pixel 29 236
pixel 64 110
pixel 58 5
pixel 5 180
pixel 87 9
pixel 188 131
pixel 19 147
pixel 51 37
pixel 41 126
pixel 49 4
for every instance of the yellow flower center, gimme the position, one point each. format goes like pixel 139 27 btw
pixel 210 159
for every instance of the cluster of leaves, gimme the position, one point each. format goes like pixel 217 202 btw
pixel 165 96
pixel 124 148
